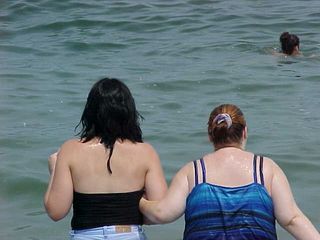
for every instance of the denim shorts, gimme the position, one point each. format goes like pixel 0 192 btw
pixel 130 232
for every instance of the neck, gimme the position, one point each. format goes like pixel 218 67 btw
pixel 237 146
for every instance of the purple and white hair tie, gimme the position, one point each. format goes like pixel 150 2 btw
pixel 223 117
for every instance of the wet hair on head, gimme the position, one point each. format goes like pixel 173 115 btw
pixel 225 125
pixel 289 42
pixel 110 114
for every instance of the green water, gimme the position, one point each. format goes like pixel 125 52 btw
pixel 180 59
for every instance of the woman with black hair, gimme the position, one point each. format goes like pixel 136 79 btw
pixel 289 44
pixel 105 172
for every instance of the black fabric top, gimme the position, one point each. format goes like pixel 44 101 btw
pixel 92 210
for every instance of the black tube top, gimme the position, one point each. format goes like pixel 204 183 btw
pixel 92 210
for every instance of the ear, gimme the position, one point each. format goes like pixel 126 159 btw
pixel 245 133
pixel 210 138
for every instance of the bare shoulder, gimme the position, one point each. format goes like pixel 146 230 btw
pixel 187 168
pixel 71 143
pixel 278 54
pixel 268 162
pixel 147 146
pixel 271 165
pixel 147 149
pixel 272 172
pixel 188 171
pixel 268 172
pixel 69 147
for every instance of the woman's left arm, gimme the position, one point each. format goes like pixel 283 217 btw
pixel 59 196
pixel 155 183
pixel 287 213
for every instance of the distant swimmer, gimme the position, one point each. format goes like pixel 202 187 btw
pixel 289 44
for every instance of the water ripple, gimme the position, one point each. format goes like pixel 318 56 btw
pixel 180 58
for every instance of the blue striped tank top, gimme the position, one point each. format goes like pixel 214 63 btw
pixel 228 213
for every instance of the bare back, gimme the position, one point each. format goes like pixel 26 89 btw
pixel 89 172
pixel 129 163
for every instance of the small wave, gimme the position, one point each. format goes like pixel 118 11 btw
pixel 19 228
pixel 83 46
pixel 62 25
pixel 22 8
pixel 173 86
pixel 171 106
pixel 25 50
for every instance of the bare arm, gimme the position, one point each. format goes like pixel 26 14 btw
pixel 59 196
pixel 287 212
pixel 155 182
pixel 172 206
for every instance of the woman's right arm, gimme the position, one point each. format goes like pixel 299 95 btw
pixel 172 206
pixel 286 210
pixel 59 195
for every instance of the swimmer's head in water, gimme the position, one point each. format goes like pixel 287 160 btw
pixel 289 43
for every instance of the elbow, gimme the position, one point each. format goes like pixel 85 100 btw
pixel 53 212
pixel 153 220
pixel 290 222
pixel 153 216
pixel 154 212
pixel 55 217
pixel 160 217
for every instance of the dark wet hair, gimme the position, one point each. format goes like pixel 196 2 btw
pixel 225 125
pixel 288 42
pixel 110 114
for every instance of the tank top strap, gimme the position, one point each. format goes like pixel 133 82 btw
pixel 195 172
pixel 255 168
pixel 203 167
pixel 261 171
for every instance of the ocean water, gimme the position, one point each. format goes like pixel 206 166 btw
pixel 180 59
